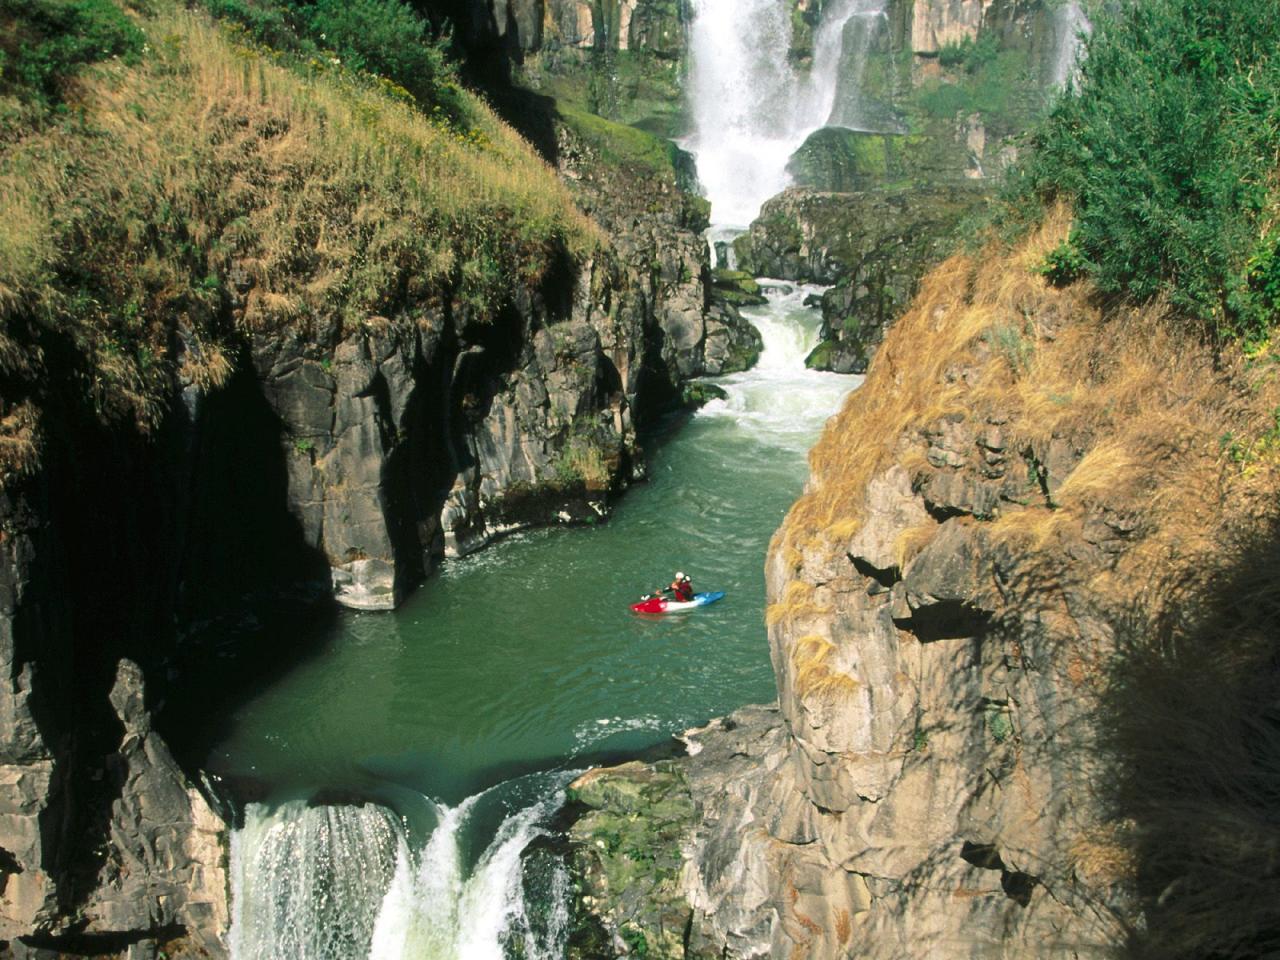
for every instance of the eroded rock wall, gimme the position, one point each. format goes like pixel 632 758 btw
pixel 990 508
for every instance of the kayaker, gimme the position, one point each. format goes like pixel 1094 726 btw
pixel 682 587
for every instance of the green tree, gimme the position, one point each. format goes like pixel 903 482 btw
pixel 1168 152
pixel 43 42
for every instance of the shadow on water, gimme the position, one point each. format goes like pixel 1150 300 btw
pixel 243 551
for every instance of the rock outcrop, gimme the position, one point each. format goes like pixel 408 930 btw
pixel 164 863
pixel 943 607
pixel 873 247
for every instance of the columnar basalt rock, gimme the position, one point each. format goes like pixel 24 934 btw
pixel 32 784
pixel 872 246
pixel 944 602
pixel 940 22
pixel 164 870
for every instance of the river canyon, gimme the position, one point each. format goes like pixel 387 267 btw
pixel 416 761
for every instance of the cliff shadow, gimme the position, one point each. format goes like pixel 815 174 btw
pixel 1191 718
pixel 141 533
pixel 252 593
pixel 488 51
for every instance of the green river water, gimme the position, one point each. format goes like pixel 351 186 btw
pixel 409 763
pixel 526 655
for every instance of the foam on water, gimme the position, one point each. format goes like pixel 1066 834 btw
pixel 779 399
pixel 344 882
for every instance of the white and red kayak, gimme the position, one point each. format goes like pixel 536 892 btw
pixel 663 605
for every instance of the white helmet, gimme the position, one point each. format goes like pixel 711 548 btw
pixel 679 576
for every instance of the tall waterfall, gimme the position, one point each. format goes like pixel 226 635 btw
pixel 1070 25
pixel 752 108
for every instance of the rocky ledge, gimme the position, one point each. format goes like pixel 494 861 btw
pixel 990 511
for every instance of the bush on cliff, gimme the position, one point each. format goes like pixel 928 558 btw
pixel 1167 152
pixel 208 188
pixel 43 42
pixel 385 38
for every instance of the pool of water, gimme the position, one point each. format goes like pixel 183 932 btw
pixel 467 710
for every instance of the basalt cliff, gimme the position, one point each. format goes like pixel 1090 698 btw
pixel 969 615
pixel 269 331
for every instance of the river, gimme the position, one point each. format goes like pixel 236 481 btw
pixel 461 715
pixel 410 764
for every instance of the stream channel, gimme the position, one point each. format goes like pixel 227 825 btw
pixel 410 764
pixel 462 715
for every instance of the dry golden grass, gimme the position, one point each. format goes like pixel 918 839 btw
pixel 813 674
pixel 337 202
pixel 19 441
pixel 1147 408
pixel 1105 855
pixel 797 602
pixel 911 541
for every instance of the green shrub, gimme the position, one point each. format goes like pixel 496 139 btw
pixel 1064 264
pixel 43 42
pixel 386 38
pixel 944 100
pixel 1167 152
pixel 270 24
pixel 972 54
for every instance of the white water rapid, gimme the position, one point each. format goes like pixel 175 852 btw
pixel 779 398
pixel 752 108
pixel 349 882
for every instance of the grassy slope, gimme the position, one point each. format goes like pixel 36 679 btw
pixel 208 165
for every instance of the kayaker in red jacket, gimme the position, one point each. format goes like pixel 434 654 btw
pixel 682 587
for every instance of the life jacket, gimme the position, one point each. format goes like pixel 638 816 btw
pixel 683 590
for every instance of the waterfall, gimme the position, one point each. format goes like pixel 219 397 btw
pixel 1070 26
pixel 752 108
pixel 306 881
pixel 779 398
pixel 347 882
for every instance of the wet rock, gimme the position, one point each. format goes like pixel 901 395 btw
pixel 736 287
pixel 165 865
pixel 872 246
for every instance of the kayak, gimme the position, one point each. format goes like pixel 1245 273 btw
pixel 662 605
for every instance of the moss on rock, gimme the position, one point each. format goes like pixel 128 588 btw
pixel 626 849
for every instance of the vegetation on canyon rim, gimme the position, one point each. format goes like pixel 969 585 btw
pixel 1167 153
pixel 154 166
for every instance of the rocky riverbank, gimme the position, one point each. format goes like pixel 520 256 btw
pixel 983 520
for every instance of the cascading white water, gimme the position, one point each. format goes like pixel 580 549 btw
pixel 306 881
pixel 346 882
pixel 434 910
pixel 751 107
pixel 778 397
pixel 1070 26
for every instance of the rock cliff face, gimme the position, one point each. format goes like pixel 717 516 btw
pixel 943 603
pixel 619 59
pixel 338 456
